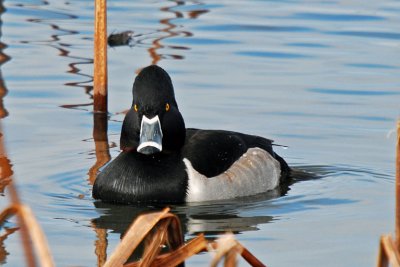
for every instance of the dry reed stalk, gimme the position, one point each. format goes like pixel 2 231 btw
pixel 37 236
pixel 179 255
pixel 389 250
pixel 244 252
pixel 134 235
pixel 15 200
pixel 382 257
pixel 397 240
pixel 100 57
pixel 28 221
pixel 225 245
pixel 230 259
pixel 199 244
pixel 153 248
pixel 388 253
pixel 250 258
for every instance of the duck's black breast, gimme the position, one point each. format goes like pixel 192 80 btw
pixel 134 177
pixel 212 152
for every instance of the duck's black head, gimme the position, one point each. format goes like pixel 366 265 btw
pixel 154 123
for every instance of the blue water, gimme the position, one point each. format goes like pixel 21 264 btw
pixel 319 77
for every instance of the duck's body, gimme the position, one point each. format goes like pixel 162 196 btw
pixel 162 161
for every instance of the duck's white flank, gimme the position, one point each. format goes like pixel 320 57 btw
pixel 254 172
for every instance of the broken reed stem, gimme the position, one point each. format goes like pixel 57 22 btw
pixel 397 240
pixel 193 247
pixel 178 256
pixel 389 249
pixel 230 258
pixel 157 239
pixel 224 246
pixel 169 232
pixel 37 237
pixel 250 258
pixel 245 253
pixel 388 253
pixel 100 57
pixel 134 235
pixel 382 255
pixel 34 232
pixel 15 200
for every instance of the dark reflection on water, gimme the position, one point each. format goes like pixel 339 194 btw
pixel 6 171
pixel 5 164
pixel 64 51
pixel 170 31
pixel 86 85
pixel 100 137
pixel 3 59
pixel 5 167
pixel 209 218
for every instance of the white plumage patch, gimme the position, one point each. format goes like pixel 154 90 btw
pixel 254 172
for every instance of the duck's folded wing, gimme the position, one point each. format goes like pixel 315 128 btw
pixel 254 172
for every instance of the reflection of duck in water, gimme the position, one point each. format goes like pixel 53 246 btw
pixel 162 161
pixel 194 218
pixel 208 218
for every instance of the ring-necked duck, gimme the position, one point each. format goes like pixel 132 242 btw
pixel 162 161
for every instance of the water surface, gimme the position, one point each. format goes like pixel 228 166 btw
pixel 319 77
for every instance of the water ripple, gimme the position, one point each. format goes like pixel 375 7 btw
pixel 371 66
pixel 368 34
pixel 253 28
pixel 309 45
pixel 281 55
pixel 336 17
pixel 318 115
pixel 38 12
pixel 352 92
pixel 199 41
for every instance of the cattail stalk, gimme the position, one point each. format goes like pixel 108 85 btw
pixel 100 57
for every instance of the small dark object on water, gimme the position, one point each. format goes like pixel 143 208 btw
pixel 119 39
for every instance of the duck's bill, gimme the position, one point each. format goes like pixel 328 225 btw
pixel 150 136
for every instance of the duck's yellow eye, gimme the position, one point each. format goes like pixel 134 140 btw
pixel 135 108
pixel 167 107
